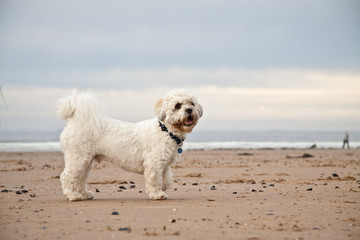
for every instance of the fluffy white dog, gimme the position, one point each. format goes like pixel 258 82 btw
pixel 148 147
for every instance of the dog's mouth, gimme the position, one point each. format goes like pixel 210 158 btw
pixel 189 121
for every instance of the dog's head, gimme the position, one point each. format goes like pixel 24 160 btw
pixel 180 109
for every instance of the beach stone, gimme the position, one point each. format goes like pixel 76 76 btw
pixel 24 191
pixel 306 155
pixel 213 188
pixel 132 182
pixel 4 190
pixel 245 154
pixel 115 213
pixel 32 195
pixel 195 184
pixel 18 192
pixel 122 187
pixel 97 190
pixel 334 175
pixel 271 185
pixel 125 229
pixel 309 189
pixel 194 175
pixel 132 186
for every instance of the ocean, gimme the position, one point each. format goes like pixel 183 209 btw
pixel 49 141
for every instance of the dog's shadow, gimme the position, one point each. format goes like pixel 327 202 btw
pixel 141 201
pixel 145 200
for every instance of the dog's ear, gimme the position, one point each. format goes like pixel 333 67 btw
pixel 159 110
pixel 199 109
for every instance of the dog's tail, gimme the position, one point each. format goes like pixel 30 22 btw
pixel 83 109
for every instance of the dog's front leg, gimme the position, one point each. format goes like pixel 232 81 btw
pixel 167 178
pixel 154 182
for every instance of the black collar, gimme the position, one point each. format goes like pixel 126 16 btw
pixel 178 140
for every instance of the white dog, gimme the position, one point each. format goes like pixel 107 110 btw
pixel 148 147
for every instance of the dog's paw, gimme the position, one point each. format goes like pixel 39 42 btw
pixel 88 195
pixel 158 196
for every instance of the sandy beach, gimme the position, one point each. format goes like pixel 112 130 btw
pixel 222 194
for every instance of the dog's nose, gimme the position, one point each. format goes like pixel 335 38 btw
pixel 189 111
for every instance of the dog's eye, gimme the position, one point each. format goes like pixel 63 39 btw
pixel 178 106
pixel 192 104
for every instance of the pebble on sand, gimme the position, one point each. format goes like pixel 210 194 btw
pixel 125 229
pixel 115 213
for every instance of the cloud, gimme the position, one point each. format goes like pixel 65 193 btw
pixel 47 36
pixel 116 78
pixel 254 64
pixel 295 109
pixel 233 99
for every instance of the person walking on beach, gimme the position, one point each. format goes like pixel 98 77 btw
pixel 346 140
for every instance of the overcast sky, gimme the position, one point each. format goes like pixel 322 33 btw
pixel 254 65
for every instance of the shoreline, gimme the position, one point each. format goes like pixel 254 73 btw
pixel 258 194
pixel 11 147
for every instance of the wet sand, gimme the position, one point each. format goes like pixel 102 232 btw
pixel 222 194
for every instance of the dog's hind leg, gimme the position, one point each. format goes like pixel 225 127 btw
pixel 73 178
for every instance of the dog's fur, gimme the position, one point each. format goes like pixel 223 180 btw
pixel 138 147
